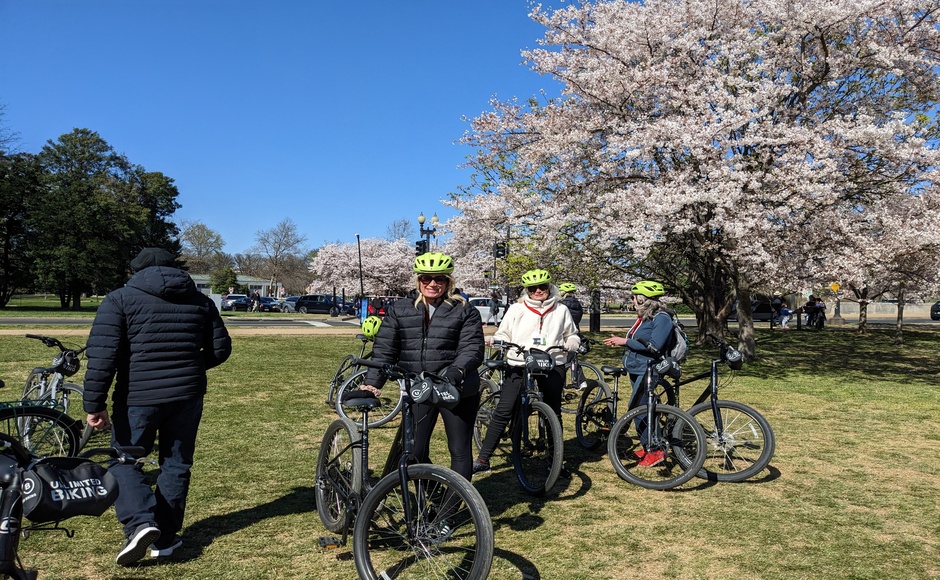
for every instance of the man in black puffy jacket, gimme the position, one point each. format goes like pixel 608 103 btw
pixel 154 339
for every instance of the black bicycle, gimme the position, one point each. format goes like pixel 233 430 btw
pixel 534 429
pixel 418 520
pixel 653 445
pixel 349 377
pixel 741 442
pixel 17 487
pixel 580 376
pixel 40 427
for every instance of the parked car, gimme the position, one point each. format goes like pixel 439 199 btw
pixel 316 304
pixel 241 303
pixel 228 299
pixel 289 304
pixel 935 311
pixel 483 306
pixel 269 304
pixel 761 311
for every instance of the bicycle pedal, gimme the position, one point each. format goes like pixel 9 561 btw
pixel 331 542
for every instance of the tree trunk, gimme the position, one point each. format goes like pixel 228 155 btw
pixel 899 325
pixel 747 342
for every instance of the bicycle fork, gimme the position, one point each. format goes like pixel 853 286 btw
pixel 11 508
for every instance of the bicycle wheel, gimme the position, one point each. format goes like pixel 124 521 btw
pixel 537 449
pixel 674 433
pixel 595 416
pixel 743 448
pixel 450 535
pixel 339 473
pixel 484 414
pixel 343 372
pixel 70 398
pixel 36 384
pixel 388 410
pixel 43 430
pixel 571 394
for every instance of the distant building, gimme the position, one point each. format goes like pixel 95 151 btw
pixel 261 285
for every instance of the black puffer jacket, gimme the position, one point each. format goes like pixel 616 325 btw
pixel 574 306
pixel 157 335
pixel 452 338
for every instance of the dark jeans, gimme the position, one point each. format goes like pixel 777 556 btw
pixel 138 503
pixel 551 386
pixel 458 425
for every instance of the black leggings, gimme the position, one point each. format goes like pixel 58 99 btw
pixel 551 386
pixel 458 425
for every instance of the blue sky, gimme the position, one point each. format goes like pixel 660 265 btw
pixel 340 115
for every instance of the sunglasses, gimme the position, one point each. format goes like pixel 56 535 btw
pixel 427 279
pixel 544 287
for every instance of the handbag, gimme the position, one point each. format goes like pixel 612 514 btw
pixel 58 488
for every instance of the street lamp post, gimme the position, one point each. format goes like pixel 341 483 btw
pixel 362 289
pixel 426 233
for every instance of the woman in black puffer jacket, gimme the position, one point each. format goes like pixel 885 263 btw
pixel 438 332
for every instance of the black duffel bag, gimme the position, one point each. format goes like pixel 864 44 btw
pixel 58 488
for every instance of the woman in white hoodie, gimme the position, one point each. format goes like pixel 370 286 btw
pixel 539 320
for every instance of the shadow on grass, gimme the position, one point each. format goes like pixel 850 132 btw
pixel 201 534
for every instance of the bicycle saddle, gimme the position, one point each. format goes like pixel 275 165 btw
pixel 360 398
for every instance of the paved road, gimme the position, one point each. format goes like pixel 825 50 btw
pixel 250 322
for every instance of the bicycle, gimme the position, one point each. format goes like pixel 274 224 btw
pixel 40 427
pixel 15 460
pixel 740 441
pixel 671 436
pixel 579 375
pixel 418 520
pixel 50 384
pixel 534 429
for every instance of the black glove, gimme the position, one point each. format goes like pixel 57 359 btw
pixel 453 375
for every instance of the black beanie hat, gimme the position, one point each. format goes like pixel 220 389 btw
pixel 152 257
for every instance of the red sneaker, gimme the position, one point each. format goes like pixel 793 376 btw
pixel 652 458
pixel 640 453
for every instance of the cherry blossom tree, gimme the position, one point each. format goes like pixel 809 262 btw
pixel 754 138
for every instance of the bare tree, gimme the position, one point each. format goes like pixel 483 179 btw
pixel 278 245
pixel 400 229
pixel 8 137
pixel 202 247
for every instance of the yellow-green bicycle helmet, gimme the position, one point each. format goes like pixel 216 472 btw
pixel 370 326
pixel 434 263
pixel 648 288
pixel 567 287
pixel 536 277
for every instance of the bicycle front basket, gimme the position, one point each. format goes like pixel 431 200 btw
pixel 58 488
pixel 538 362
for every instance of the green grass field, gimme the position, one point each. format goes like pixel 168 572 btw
pixel 852 491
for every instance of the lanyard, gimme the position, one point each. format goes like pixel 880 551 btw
pixel 635 326
pixel 541 314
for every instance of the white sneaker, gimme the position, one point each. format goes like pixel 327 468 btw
pixel 135 547
pixel 175 544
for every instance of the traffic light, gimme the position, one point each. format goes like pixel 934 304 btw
pixel 421 247
pixel 499 250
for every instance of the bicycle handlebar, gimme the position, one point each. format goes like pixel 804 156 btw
pixel 55 342
pixel 505 344
pixel 129 454
pixel 391 371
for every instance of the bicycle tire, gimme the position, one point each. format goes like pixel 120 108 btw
pixel 44 431
pixel 595 416
pixel 537 455
pixel 343 372
pixel 338 464
pixel 745 447
pixel 676 434
pixel 453 530
pixel 68 399
pixel 388 410
pixel 482 423
pixel 571 394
